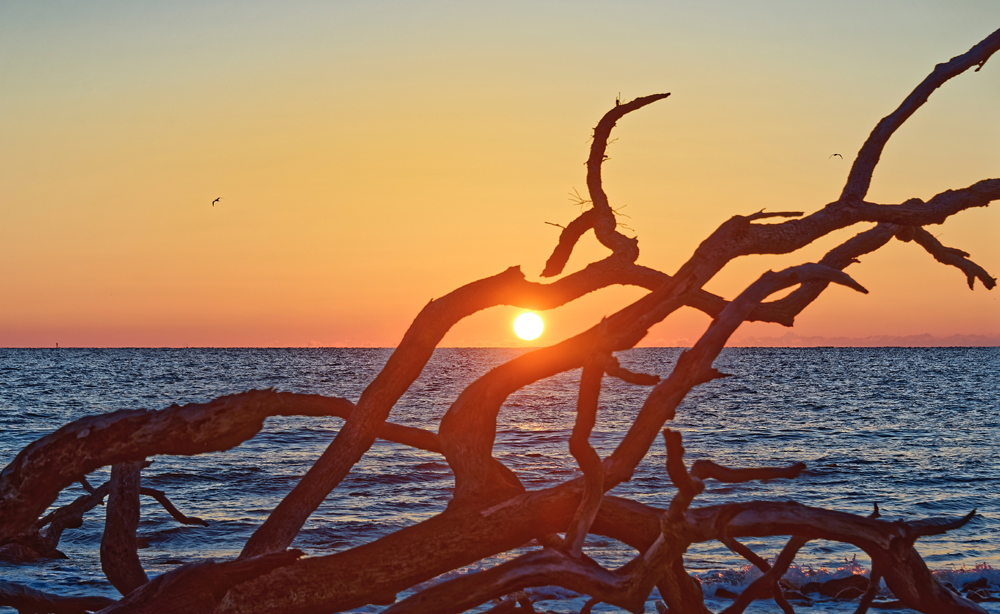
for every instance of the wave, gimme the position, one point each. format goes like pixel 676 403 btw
pixel 802 586
pixel 806 583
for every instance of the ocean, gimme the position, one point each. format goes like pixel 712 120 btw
pixel 915 429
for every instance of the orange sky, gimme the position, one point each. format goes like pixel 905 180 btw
pixel 374 155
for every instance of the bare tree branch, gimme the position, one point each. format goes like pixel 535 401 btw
pixel 567 241
pixel 32 481
pixel 762 565
pixel 28 600
pixel 864 164
pixel 70 516
pixel 119 554
pixel 874 581
pixel 739 237
pixel 939 208
pixel 614 369
pixel 704 469
pixel 687 487
pixel 600 218
pixel 935 526
pixel 605 224
pixel 761 215
pixel 541 568
pixel 42 538
pixel 768 583
pixel 403 367
pixel 86 485
pixel 461 536
pixel 196 588
pixel 694 366
pixel 947 255
pixel 585 455
pixel 161 497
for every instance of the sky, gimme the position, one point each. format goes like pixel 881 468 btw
pixel 372 156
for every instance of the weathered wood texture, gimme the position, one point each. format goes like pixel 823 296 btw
pixel 27 600
pixel 197 588
pixel 119 550
pixel 31 482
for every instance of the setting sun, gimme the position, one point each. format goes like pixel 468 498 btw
pixel 528 326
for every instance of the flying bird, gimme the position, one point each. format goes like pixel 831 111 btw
pixel 216 200
pixel 838 155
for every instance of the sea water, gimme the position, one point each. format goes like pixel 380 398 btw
pixel 914 429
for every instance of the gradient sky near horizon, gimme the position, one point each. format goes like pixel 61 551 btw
pixel 374 155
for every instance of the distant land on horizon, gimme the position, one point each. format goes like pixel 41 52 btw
pixel 791 339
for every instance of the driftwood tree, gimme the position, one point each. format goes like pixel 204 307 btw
pixel 491 511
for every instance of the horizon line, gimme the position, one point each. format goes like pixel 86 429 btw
pixel 459 347
pixel 788 340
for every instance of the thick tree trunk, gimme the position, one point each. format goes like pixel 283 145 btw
pixel 119 554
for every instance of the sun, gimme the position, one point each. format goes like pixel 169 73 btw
pixel 528 326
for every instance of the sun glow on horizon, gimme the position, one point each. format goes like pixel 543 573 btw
pixel 528 326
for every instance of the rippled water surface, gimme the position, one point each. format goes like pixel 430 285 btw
pixel 914 429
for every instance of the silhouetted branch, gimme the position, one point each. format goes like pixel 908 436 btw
pixel 567 241
pixel 585 455
pixel 947 255
pixel 875 512
pixel 784 310
pixel 167 505
pixel 694 366
pixel 541 568
pixel 614 369
pixel 739 237
pixel 197 588
pixel 119 554
pixel 403 367
pixel 864 164
pixel 42 538
pixel 874 582
pixel 687 488
pixel 34 478
pixel 28 601
pixel 601 218
pixel 71 516
pixel 760 215
pixel 935 526
pixel 704 469
pixel 768 583
pixel 86 485
pixel 758 562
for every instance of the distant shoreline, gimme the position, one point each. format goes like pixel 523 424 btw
pixel 925 340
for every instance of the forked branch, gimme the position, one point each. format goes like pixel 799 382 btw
pixel 767 584
pixel 947 255
pixel 600 218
